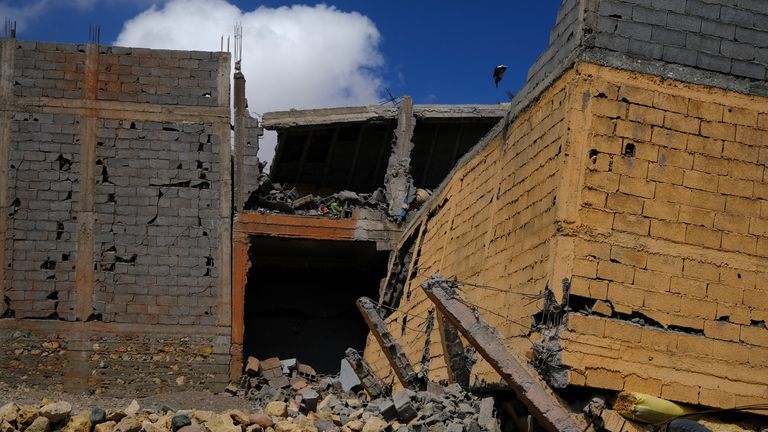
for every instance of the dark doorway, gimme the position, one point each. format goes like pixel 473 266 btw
pixel 300 298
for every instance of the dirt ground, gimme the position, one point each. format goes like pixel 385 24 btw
pixel 186 400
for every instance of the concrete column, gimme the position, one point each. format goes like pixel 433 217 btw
pixel 239 148
pixel 86 217
pixel 6 117
pixel 398 180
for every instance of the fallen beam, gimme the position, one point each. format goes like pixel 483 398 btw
pixel 370 382
pixel 392 350
pixel 530 389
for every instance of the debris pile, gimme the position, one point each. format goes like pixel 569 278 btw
pixel 292 393
pixel 280 198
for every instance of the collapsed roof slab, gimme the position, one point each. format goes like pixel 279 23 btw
pixel 278 120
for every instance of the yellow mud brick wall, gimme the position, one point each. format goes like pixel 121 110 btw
pixel 492 225
pixel 678 233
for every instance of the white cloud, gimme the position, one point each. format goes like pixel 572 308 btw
pixel 22 14
pixel 293 57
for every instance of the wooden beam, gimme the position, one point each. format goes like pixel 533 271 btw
pixel 530 389
pixel 389 346
pixel 370 382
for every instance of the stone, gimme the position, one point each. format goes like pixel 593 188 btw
pixel 107 426
pixel 26 415
pixel 355 425
pixel 455 427
pixel 191 428
pixel 387 409
pixel 8 412
pixel 254 428
pixel 179 421
pixel 81 423
pixel 56 412
pixel 239 417
pixel 148 426
pixel 41 424
pixel 202 416
pixel 98 415
pixel 310 397
pixel 222 423
pixel 374 424
pixel 286 426
pixel 128 424
pixel 6 427
pixel 276 409
pixel 262 420
pixel 323 425
pixel 602 308
pixel 115 415
pixel 232 389
pixel 132 408
pixel 486 419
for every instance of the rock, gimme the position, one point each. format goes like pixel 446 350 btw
pixel 222 423
pixel 80 423
pixel 202 416
pixel 56 412
pixel 132 408
pixel 179 421
pixel 355 425
pixel 262 420
pixel 486 419
pixel 115 415
pixel 310 397
pixel 254 428
pixel 148 426
pixel 239 417
pixel 324 425
pixel 8 412
pixel 41 424
pixel 286 426
pixel 191 428
pixel 276 409
pixel 404 405
pixel 26 415
pixel 602 308
pixel 107 426
pixel 98 415
pixel 6 427
pixel 374 424
pixel 128 424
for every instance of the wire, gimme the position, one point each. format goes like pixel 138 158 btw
pixel 474 306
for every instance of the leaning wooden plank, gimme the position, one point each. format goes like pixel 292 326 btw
pixel 392 350
pixel 530 389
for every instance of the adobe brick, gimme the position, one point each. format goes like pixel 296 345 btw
pixel 665 174
pixel 722 330
pixel 756 299
pixel 659 339
pixel 729 351
pixel 668 230
pixel 696 216
pixel 615 272
pixel 646 151
pixel 596 218
pixel 742 206
pixel 758 356
pixel 653 281
pixel 633 130
pixel 675 158
pixel 707 146
pixel 584 324
pixel 637 187
pixel 606 144
pixel 758 226
pixel 724 293
pixel 680 392
pixel 702 236
pixel 681 123
pixel 625 294
pixel 605 379
pixel 732 186
pixel 668 102
pixel 630 166
pixel 586 268
pixel 625 203
pixel 716 398
pixel 737 277
pixel 710 165
pixel 751 136
pixel 739 243
pixel 706 110
pixel 628 256
pixel 609 108
pixel 755 335
pixel 669 138
pixel 604 181
pixel 631 223
pixel 700 180
pixel 591 198
pixel 622 330
pixel 637 95
pixel 698 308
pixel 731 222
pixel 650 386
pixel 603 125
pixel 585 248
pixel 718 130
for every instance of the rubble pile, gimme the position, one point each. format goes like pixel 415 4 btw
pixel 292 392
pixel 279 198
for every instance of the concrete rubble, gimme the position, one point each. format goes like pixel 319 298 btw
pixel 272 197
pixel 295 397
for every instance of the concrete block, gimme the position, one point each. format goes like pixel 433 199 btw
pixel 748 69
pixel 736 50
pixel 740 17
pixel 718 29
pixel 635 30
pixel 646 49
pixel 679 55
pixel 669 5
pixel 668 37
pixel 750 36
pixel 650 16
pixel 702 43
pixel 611 42
pixel 615 8
pixel 702 9
pixel 404 405
pixel 714 62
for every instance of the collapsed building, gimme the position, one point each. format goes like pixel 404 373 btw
pixel 605 231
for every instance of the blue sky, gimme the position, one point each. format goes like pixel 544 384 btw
pixel 436 51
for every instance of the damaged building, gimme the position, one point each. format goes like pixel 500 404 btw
pixel 607 231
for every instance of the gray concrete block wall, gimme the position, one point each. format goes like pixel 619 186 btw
pixel 564 40
pixel 724 36
pixel 41 237
pixel 158 76
pixel 157 201
pixel 43 69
